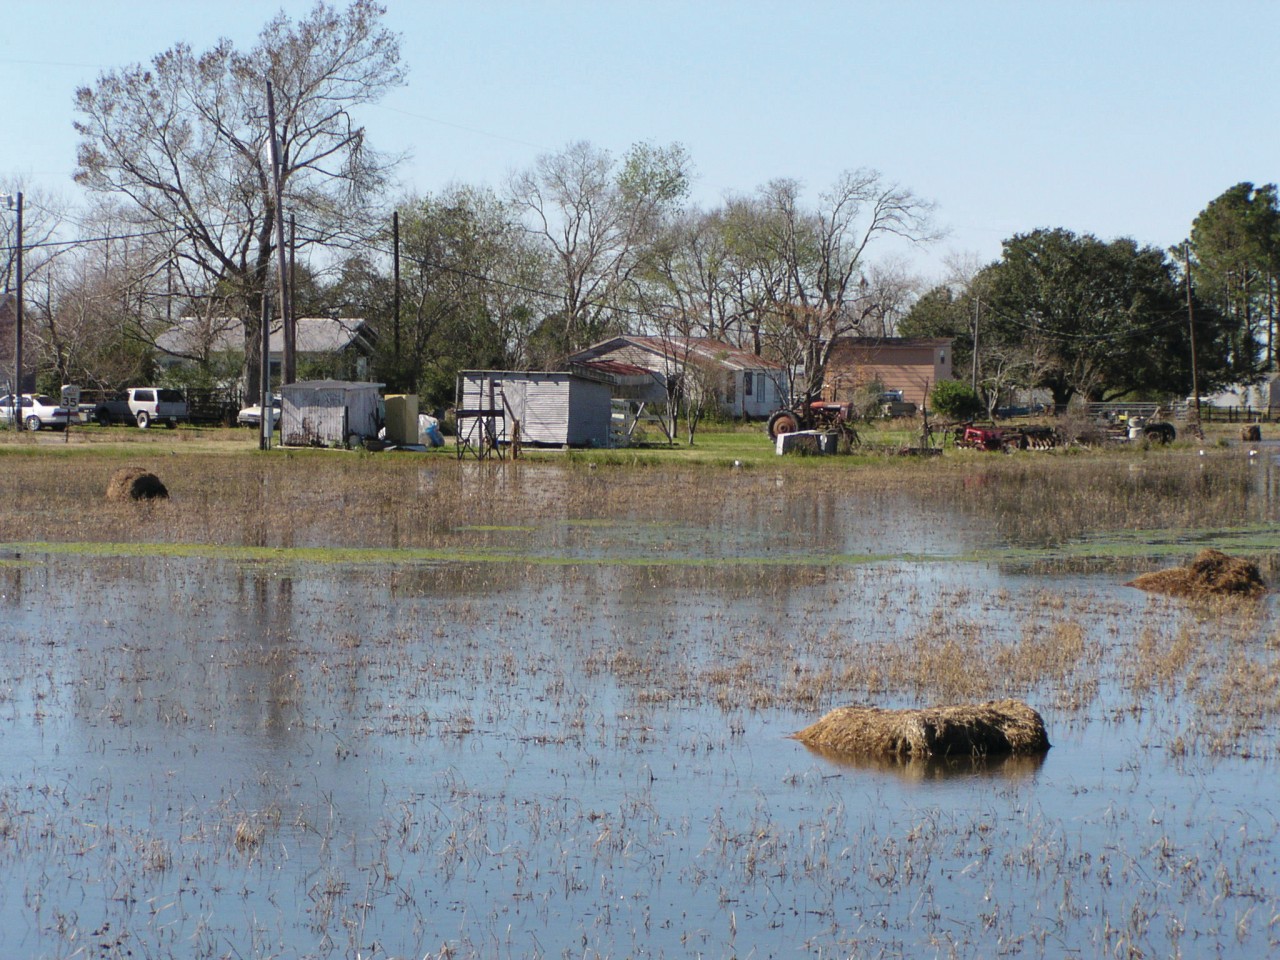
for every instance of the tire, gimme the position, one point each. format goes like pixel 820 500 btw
pixel 33 423
pixel 144 419
pixel 103 418
pixel 783 421
pixel 171 424
pixel 1161 433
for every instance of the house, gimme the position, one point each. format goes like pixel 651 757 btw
pixel 912 365
pixel 557 408
pixel 746 385
pixel 341 345
pixel 329 413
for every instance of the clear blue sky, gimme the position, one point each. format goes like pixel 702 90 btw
pixel 1118 119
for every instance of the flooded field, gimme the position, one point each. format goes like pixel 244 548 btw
pixel 544 710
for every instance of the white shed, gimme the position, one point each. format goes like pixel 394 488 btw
pixel 328 413
pixel 555 408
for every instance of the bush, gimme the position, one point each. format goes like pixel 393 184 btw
pixel 955 400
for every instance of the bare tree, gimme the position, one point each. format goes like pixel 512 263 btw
pixel 597 217
pixel 42 217
pixel 814 263
pixel 186 140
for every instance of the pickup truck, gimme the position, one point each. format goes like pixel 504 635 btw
pixel 143 406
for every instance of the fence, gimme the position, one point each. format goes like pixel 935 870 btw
pixel 205 406
pixel 1180 411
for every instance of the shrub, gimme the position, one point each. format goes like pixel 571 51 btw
pixel 955 400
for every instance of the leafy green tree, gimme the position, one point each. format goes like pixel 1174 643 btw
pixel 942 311
pixel 1236 244
pixel 1104 319
pixel 469 279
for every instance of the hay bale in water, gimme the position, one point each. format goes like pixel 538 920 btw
pixel 1211 574
pixel 135 483
pixel 982 729
pixel 1251 433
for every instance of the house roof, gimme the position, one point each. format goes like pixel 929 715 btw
pixel 344 385
pixel 616 372
pixel 195 336
pixel 897 341
pixel 681 349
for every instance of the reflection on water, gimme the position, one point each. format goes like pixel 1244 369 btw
pixel 923 769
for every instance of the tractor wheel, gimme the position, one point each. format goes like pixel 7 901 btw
pixel 783 421
pixel 1161 433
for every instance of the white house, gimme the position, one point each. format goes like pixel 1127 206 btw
pixel 746 385
pixel 346 343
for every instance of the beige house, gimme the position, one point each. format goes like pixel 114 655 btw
pixel 912 365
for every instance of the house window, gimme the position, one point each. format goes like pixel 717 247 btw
pixel 747 380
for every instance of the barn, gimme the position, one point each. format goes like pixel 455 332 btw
pixel 329 413
pixel 553 408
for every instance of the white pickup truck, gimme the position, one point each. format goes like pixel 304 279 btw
pixel 143 406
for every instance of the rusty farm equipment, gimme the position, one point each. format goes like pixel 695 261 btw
pixel 1007 439
pixel 823 415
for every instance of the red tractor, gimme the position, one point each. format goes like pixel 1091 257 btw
pixel 824 415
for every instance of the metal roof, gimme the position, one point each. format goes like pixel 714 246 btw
pixel 193 336
pixel 683 349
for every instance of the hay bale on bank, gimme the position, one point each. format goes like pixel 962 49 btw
pixel 981 729
pixel 135 483
pixel 1211 574
pixel 1251 433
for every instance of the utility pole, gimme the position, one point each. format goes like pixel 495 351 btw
pixel 395 292
pixel 977 307
pixel 16 392
pixel 286 369
pixel 290 318
pixel 265 407
pixel 1191 324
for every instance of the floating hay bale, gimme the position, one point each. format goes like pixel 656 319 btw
pixel 1211 574
pixel 982 729
pixel 135 483
pixel 1251 433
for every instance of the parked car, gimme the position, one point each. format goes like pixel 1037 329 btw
pixel 36 412
pixel 251 416
pixel 143 406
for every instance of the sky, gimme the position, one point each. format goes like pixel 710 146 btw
pixel 1116 119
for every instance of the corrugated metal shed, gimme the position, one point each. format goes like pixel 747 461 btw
pixel 554 407
pixel 326 413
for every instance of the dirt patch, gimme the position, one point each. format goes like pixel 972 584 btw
pixel 982 729
pixel 1211 574
pixel 135 483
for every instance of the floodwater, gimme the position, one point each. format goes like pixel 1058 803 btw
pixel 583 750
